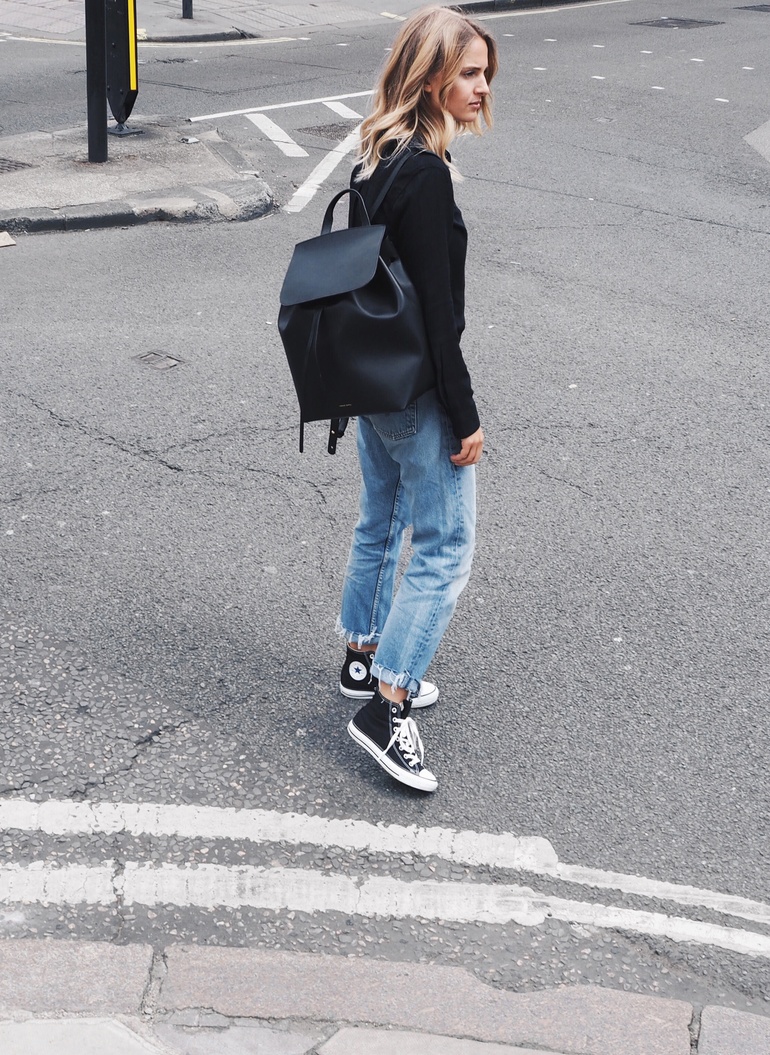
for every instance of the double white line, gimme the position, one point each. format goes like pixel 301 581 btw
pixel 209 886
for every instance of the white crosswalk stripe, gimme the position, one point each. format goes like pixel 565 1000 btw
pixel 342 110
pixel 274 132
pixel 257 115
pixel 321 173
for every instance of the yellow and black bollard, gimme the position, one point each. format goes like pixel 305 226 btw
pixel 122 68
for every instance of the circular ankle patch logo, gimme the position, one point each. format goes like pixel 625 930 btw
pixel 358 671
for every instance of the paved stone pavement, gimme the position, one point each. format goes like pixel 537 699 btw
pixel 86 998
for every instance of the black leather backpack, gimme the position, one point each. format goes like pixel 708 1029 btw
pixel 351 322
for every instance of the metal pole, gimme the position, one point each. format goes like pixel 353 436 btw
pixel 96 80
pixel 187 8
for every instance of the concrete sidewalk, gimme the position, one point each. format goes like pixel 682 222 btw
pixel 172 171
pixel 91 998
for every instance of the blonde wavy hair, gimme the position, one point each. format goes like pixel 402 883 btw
pixel 431 42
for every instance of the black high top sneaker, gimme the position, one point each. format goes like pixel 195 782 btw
pixel 386 731
pixel 357 682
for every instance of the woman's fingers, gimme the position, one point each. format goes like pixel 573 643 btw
pixel 470 450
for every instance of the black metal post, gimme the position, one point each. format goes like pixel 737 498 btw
pixel 96 80
pixel 187 8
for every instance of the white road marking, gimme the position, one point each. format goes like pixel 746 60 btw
pixel 276 134
pixel 596 77
pixel 531 854
pixel 46 40
pixel 759 139
pixel 210 886
pixel 321 172
pixel 280 106
pixel 721 100
pixel 343 111
pixel 389 14
pixel 41 884
pixel 54 817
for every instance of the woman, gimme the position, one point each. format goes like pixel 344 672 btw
pixel 418 465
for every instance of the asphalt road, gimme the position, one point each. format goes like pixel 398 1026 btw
pixel 605 681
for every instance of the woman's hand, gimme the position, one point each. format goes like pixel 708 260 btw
pixel 470 449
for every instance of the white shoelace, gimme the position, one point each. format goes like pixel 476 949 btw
pixel 408 739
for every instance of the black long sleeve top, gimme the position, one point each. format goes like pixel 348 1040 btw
pixel 427 230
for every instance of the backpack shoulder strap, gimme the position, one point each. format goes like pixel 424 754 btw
pixel 394 167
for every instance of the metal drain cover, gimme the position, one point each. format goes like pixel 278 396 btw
pixel 158 360
pixel 9 165
pixel 676 23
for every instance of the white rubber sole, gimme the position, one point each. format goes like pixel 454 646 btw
pixel 425 699
pixel 425 782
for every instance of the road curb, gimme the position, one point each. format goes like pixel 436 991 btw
pixel 221 202
pixel 196 38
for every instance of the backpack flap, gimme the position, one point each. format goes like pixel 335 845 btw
pixel 332 264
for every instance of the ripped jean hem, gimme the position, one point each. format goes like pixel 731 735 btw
pixel 397 680
pixel 356 639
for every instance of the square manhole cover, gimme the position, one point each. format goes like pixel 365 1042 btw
pixel 158 360
pixel 9 165
pixel 676 23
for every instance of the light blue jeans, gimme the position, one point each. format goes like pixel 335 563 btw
pixel 408 478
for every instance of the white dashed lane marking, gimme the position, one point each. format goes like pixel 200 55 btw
pixel 208 886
